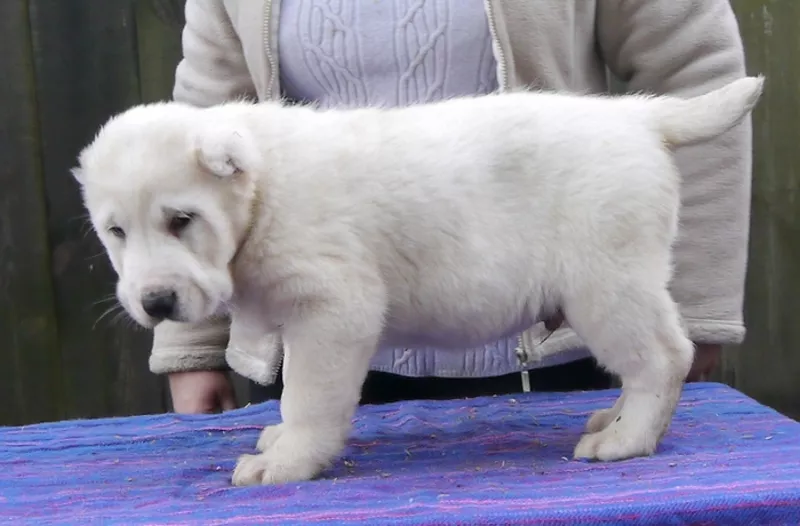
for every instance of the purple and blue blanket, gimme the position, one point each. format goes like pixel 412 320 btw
pixel 504 460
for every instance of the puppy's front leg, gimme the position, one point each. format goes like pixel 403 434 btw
pixel 327 360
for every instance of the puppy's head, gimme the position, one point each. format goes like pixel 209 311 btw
pixel 170 191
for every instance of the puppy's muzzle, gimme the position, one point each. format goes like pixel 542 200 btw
pixel 160 304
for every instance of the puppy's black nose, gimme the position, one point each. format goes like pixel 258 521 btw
pixel 160 304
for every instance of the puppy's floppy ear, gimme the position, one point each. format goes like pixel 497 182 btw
pixel 226 152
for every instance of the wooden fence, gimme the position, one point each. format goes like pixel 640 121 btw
pixel 68 65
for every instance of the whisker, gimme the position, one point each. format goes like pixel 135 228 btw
pixel 105 299
pixel 86 226
pixel 113 309
pixel 128 322
pixel 85 223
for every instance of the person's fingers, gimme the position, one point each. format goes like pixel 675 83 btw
pixel 201 392
pixel 706 359
pixel 180 408
pixel 228 401
pixel 193 407
pixel 694 376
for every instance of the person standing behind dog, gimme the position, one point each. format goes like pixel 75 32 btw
pixel 352 53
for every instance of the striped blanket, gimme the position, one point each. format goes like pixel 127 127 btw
pixel 503 460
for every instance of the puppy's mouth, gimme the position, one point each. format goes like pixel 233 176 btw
pixel 149 322
pixel 178 318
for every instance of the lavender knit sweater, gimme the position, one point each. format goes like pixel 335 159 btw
pixel 384 52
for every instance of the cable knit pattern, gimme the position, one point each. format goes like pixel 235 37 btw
pixel 384 52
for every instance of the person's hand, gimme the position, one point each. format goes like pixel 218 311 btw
pixel 706 358
pixel 201 392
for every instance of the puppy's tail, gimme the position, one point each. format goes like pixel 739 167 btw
pixel 697 119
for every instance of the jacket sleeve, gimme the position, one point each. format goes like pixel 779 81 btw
pixel 181 347
pixel 212 71
pixel 684 48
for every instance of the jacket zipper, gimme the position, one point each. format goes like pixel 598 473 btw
pixel 502 67
pixel 267 36
pixel 276 369
pixel 521 349
pixel 268 95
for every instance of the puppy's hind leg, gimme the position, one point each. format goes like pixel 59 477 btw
pixel 633 329
pixel 327 359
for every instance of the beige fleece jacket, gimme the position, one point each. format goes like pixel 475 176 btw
pixel 680 47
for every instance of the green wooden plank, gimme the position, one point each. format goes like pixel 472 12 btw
pixel 170 12
pixel 29 378
pixel 767 365
pixel 158 24
pixel 86 70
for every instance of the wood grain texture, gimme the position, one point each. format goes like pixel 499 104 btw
pixel 30 384
pixel 158 31
pixel 86 65
pixel 767 365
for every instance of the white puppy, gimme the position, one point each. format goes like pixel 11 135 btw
pixel 451 224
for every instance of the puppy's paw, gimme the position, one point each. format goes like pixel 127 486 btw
pixel 614 442
pixel 250 470
pixel 265 468
pixel 268 437
pixel 601 419
pixel 289 456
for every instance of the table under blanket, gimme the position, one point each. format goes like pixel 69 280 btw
pixel 499 460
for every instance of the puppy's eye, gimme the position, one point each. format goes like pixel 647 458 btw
pixel 116 232
pixel 179 222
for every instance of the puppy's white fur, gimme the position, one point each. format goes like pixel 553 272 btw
pixel 451 224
